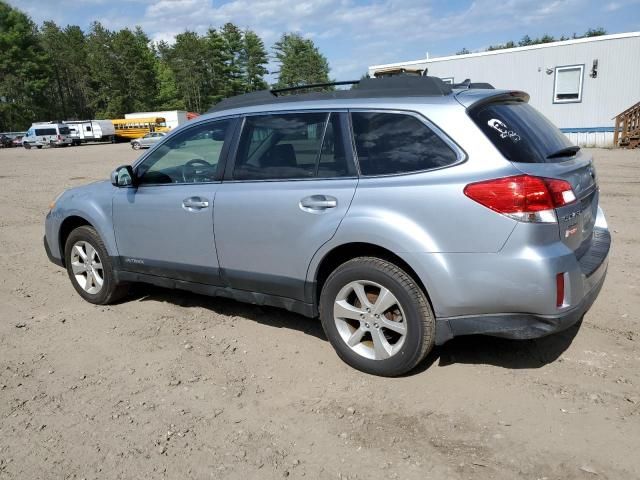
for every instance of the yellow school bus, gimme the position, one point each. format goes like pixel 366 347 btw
pixel 138 127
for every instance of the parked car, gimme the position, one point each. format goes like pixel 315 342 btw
pixel 149 140
pixel 403 213
pixel 17 141
pixel 47 134
pixel 6 141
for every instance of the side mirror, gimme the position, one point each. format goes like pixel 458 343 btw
pixel 123 176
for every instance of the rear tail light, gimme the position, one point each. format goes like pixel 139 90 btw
pixel 559 290
pixel 59 137
pixel 523 197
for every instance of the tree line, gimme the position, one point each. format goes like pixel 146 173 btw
pixel 50 72
pixel 527 40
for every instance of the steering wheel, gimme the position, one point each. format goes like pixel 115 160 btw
pixel 195 169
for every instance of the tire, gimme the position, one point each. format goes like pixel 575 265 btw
pixel 135 146
pixel 38 147
pixel 26 145
pixel 411 312
pixel 109 292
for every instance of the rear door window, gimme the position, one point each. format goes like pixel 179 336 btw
pixel 521 133
pixel 292 146
pixel 393 143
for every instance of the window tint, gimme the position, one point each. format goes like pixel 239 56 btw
pixel 389 143
pixel 281 146
pixel 46 131
pixel 333 156
pixel 520 132
pixel 64 130
pixel 189 157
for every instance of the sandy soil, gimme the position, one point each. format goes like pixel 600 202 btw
pixel 173 385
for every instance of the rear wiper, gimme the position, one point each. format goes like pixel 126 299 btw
pixel 565 152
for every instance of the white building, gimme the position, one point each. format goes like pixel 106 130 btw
pixel 580 85
pixel 172 117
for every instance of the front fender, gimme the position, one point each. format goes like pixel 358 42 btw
pixel 93 203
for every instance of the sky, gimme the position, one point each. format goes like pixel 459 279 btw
pixel 354 34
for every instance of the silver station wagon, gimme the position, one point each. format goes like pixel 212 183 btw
pixel 402 213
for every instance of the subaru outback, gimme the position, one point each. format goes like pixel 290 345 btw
pixel 402 213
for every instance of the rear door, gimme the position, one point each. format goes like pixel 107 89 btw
pixel 290 186
pixel 537 147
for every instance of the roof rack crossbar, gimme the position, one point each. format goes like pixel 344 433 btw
pixel 276 91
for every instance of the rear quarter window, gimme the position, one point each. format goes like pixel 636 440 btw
pixel 520 132
pixel 394 143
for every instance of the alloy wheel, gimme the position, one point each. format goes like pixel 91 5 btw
pixel 370 319
pixel 87 267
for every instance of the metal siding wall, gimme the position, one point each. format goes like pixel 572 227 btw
pixel 616 88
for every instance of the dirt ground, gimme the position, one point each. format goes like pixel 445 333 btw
pixel 174 385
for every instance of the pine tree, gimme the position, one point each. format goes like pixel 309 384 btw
pixel 253 59
pixel 301 63
pixel 24 72
pixel 233 47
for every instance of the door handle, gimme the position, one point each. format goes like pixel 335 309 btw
pixel 318 203
pixel 194 203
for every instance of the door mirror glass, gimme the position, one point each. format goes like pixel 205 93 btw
pixel 123 176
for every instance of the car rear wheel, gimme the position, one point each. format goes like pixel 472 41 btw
pixel 376 317
pixel 90 269
pixel 135 146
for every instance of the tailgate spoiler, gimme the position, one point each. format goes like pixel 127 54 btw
pixel 475 98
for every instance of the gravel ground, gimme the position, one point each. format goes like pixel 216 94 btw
pixel 174 385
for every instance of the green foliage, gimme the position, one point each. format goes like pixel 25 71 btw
pixel 24 70
pixel 463 51
pixel 253 59
pixel 56 73
pixel 300 61
pixel 527 40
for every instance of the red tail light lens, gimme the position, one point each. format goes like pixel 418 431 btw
pixel 59 137
pixel 522 196
pixel 559 290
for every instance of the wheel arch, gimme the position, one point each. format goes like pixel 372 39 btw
pixel 347 251
pixel 67 226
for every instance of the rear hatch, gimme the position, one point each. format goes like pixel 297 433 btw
pixel 537 147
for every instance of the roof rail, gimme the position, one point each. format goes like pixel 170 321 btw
pixel 477 85
pixel 314 85
pixel 396 86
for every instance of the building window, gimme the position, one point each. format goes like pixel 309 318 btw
pixel 448 80
pixel 568 84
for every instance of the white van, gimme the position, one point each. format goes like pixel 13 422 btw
pixel 49 133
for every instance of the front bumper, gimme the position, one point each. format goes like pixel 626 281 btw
pixel 52 259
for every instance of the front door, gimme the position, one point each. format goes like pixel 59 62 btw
pixel 292 183
pixel 164 226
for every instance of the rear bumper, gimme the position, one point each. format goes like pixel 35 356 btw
pixel 527 325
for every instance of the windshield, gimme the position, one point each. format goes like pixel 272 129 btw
pixel 521 133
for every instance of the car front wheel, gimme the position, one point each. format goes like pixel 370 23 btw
pixel 376 317
pixel 90 269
